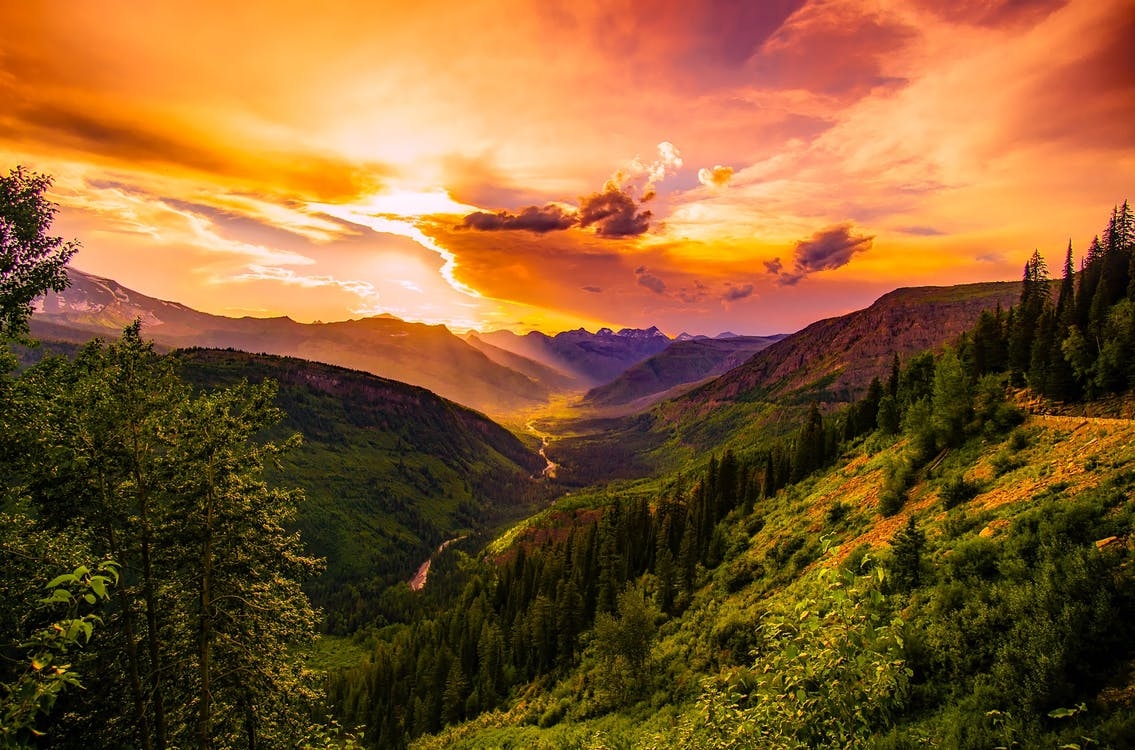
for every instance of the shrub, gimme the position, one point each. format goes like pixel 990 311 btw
pixel 898 478
pixel 958 490
pixel 1018 440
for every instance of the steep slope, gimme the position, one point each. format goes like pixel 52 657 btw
pixel 389 470
pixel 836 358
pixel 589 358
pixel 1015 600
pixel 683 362
pixel 429 356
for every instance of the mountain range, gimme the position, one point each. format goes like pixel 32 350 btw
pixel 424 355
pixel 684 362
pixel 589 359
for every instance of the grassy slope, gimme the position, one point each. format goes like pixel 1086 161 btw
pixel 389 470
pixel 1050 462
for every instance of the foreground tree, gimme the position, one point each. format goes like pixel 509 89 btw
pixel 204 640
pixel 31 261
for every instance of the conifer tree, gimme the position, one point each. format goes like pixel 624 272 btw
pixel 1034 295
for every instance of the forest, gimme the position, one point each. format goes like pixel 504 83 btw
pixel 158 593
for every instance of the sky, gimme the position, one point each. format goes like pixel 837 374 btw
pixel 699 166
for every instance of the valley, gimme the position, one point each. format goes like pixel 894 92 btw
pixel 884 530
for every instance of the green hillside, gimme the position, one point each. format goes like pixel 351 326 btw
pixel 994 608
pixel 945 560
pixel 389 471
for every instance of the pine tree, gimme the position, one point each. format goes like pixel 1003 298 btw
pixel 906 562
pixel 1034 296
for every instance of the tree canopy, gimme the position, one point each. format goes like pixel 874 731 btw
pixel 32 261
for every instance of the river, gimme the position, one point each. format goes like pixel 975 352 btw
pixel 419 579
pixel 550 466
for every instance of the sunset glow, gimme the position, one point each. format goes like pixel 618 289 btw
pixel 491 164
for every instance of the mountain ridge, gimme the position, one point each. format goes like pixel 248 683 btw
pixel 429 356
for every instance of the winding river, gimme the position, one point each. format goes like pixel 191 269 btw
pixel 550 466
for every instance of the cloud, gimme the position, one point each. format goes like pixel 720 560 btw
pixel 592 289
pixel 829 249
pixel 993 13
pixel 550 218
pixel 614 213
pixel 695 295
pixel 734 293
pixel 363 289
pixel 826 250
pixel 650 281
pixel 719 176
pixel 922 231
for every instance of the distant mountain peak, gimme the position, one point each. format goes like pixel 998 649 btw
pixel 639 333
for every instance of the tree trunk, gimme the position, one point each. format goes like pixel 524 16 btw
pixel 205 625
pixel 148 594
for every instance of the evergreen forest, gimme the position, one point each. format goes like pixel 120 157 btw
pixel 209 549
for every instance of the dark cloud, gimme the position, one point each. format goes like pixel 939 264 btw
pixel 922 231
pixel 550 218
pixel 614 213
pixel 694 295
pixel 592 289
pixel 650 281
pixel 825 250
pixel 734 293
pixel 829 249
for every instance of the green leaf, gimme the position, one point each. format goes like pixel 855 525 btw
pixel 60 580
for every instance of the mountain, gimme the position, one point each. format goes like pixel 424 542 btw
pixel 830 362
pixel 553 378
pixel 389 470
pixel 836 358
pixel 588 358
pixel 424 355
pixel 684 362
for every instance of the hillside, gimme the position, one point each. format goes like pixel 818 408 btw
pixel 834 359
pixel 684 362
pixel 424 355
pixel 389 470
pixel 1014 601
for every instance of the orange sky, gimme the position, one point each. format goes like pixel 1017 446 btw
pixel 699 166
